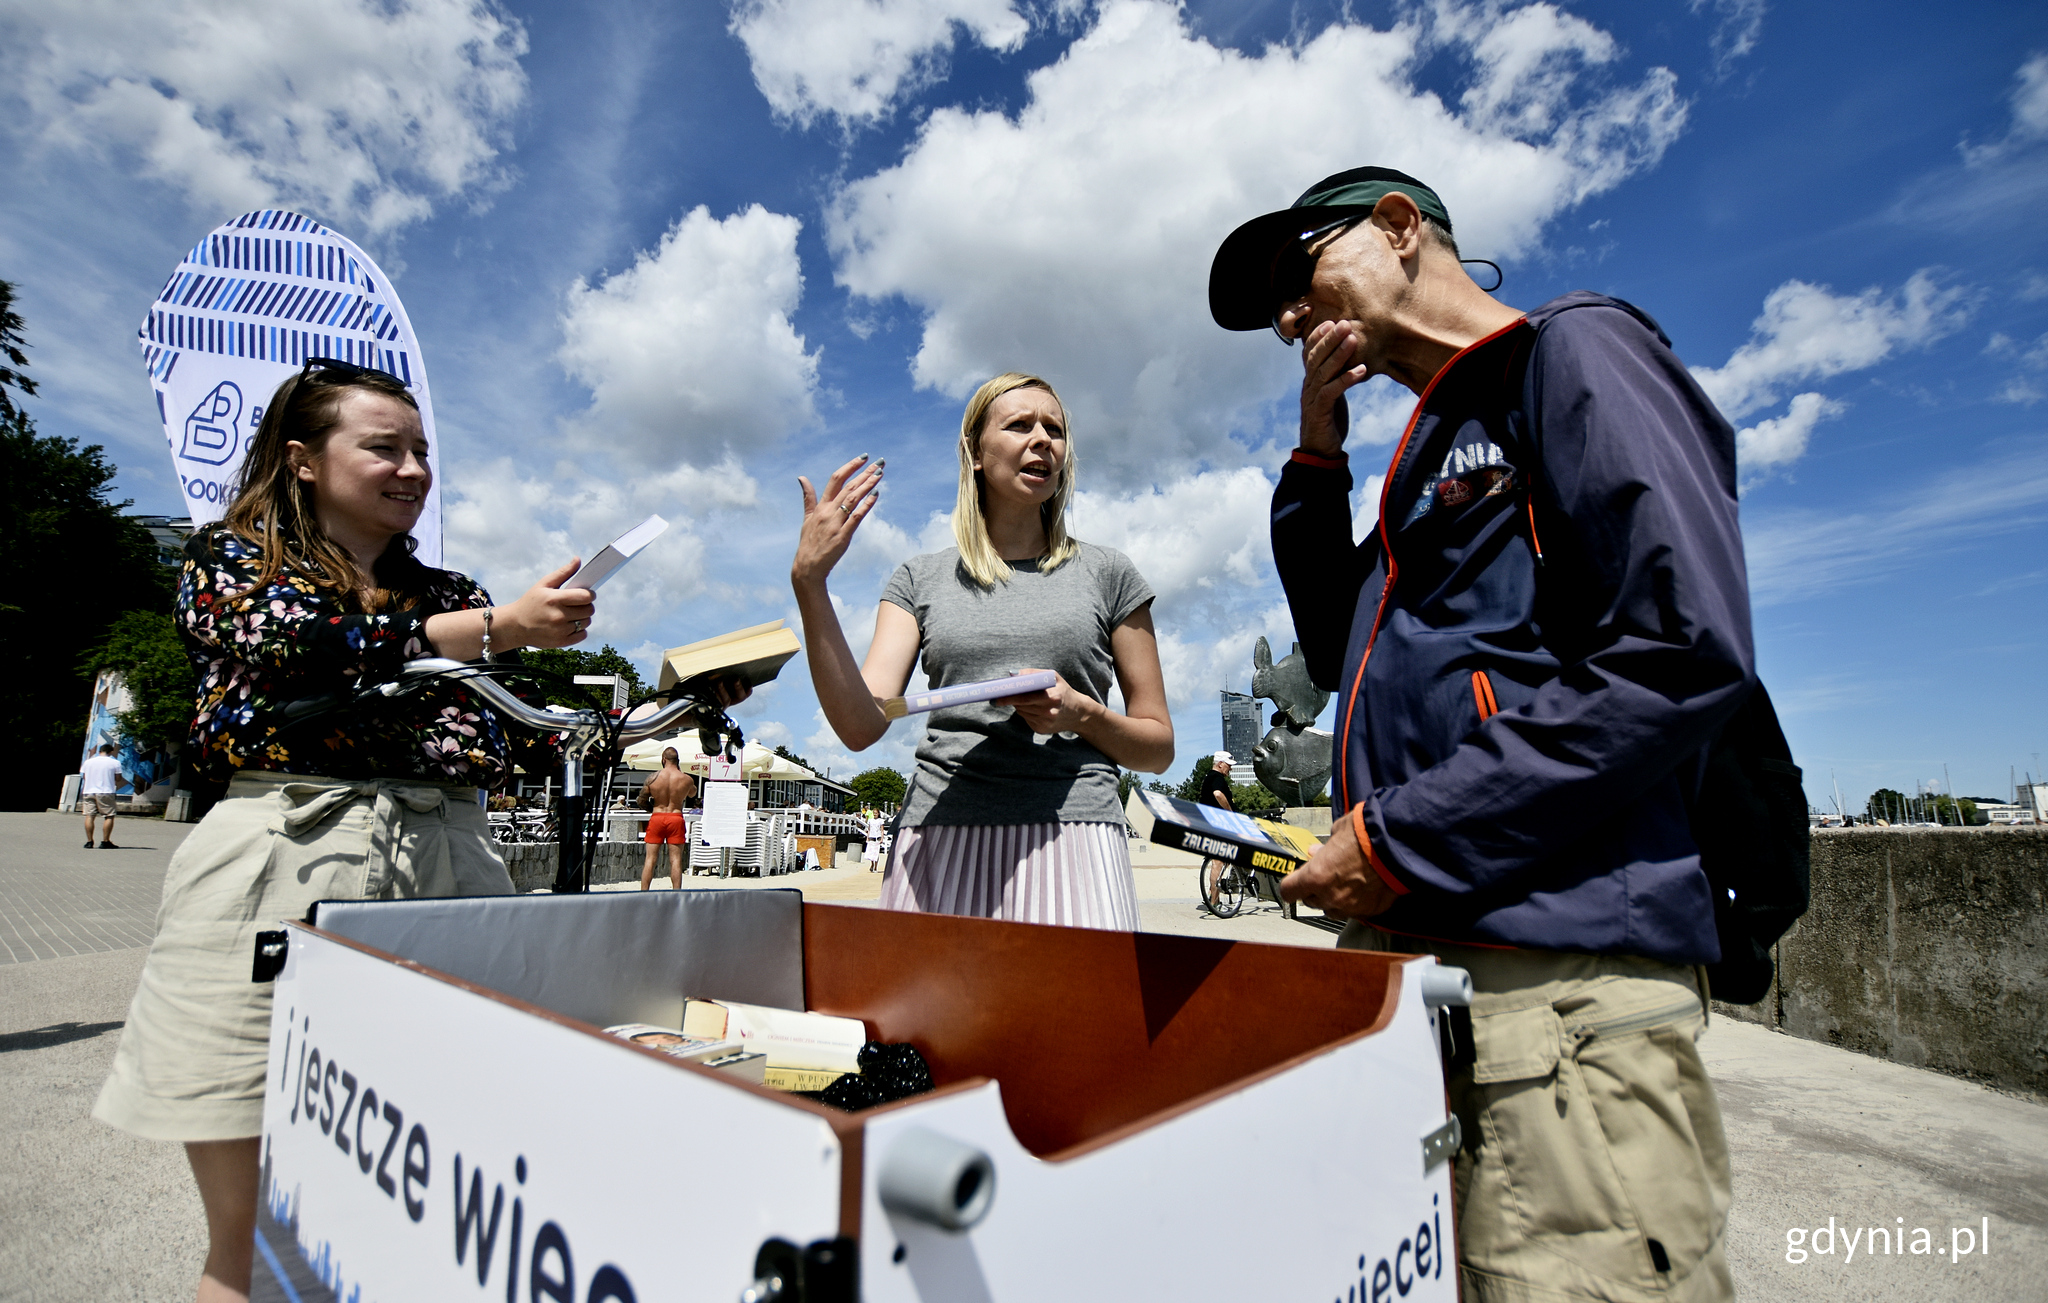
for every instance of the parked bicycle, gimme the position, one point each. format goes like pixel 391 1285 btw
pixel 1226 887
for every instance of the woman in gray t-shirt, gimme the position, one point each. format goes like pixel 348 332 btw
pixel 1013 811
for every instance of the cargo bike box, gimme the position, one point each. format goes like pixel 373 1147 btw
pixel 1117 1115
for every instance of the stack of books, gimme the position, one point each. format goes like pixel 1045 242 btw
pixel 786 1049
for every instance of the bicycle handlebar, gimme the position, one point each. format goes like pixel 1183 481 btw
pixel 538 717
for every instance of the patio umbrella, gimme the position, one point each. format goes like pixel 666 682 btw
pixel 756 761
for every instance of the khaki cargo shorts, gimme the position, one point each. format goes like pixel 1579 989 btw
pixel 191 1061
pixel 1594 1166
pixel 96 803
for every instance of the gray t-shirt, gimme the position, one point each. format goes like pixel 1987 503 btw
pixel 977 764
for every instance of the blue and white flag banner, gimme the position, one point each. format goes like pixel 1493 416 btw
pixel 243 312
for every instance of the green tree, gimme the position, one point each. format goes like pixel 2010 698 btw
pixel 11 346
pixel 794 758
pixel 878 786
pixel 565 663
pixel 1253 798
pixel 59 530
pixel 162 682
pixel 1191 787
pixel 1886 804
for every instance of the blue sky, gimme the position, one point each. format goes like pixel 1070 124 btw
pixel 667 257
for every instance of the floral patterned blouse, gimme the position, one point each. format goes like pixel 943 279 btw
pixel 259 650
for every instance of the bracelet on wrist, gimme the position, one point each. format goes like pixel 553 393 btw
pixel 487 633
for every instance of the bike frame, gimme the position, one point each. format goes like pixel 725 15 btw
pixel 582 732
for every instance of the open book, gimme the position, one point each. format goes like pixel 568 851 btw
pixel 1218 834
pixel 756 654
pixel 616 554
pixel 961 694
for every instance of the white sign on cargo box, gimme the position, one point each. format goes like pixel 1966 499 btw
pixel 402 1108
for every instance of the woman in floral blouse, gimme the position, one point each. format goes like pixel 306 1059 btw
pixel 307 590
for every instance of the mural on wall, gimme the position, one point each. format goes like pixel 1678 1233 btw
pixel 145 769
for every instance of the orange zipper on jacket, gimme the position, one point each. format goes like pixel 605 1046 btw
pixel 1482 696
pixel 1387 550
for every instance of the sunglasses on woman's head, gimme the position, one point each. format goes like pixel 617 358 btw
pixel 340 372
pixel 1295 265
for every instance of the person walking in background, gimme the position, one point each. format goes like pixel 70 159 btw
pixel 667 793
pixel 1012 811
pixel 99 778
pixel 1532 652
pixel 872 830
pixel 1215 791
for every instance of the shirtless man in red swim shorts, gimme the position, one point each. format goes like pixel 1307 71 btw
pixel 668 790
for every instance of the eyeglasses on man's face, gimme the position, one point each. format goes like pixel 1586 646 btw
pixel 1295 265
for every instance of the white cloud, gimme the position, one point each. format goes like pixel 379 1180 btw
pixel 1074 239
pixel 1808 332
pixel 1741 23
pixel 2023 388
pixel 690 352
pixel 362 113
pixel 1202 535
pixel 1365 516
pixel 2029 104
pixel 772 733
pixel 1798 554
pixel 508 524
pixel 852 59
pixel 1781 440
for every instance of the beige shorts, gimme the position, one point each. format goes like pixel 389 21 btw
pixel 1594 1166
pixel 192 1058
pixel 96 803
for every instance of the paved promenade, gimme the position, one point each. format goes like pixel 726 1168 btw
pixel 92 1215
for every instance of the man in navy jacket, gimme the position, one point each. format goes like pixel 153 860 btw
pixel 1531 654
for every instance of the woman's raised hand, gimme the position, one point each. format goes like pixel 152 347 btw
pixel 831 517
pixel 547 615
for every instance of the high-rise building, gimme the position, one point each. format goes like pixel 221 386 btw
pixel 1243 723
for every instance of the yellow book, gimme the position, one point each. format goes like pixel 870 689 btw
pixel 1299 840
pixel 756 655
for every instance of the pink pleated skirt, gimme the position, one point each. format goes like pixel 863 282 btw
pixel 1069 874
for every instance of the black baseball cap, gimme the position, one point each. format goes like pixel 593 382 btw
pixel 1241 294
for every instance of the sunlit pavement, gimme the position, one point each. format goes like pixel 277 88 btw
pixel 93 1214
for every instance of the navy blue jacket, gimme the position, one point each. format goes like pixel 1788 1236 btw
pixel 1535 647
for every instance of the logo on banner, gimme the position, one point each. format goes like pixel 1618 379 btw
pixel 210 433
pixel 240 315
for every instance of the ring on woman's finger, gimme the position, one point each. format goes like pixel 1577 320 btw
pixel 846 509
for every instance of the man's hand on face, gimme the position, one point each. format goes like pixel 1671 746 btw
pixel 1330 365
pixel 1338 880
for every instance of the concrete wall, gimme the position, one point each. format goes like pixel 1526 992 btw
pixel 533 863
pixel 1924 946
